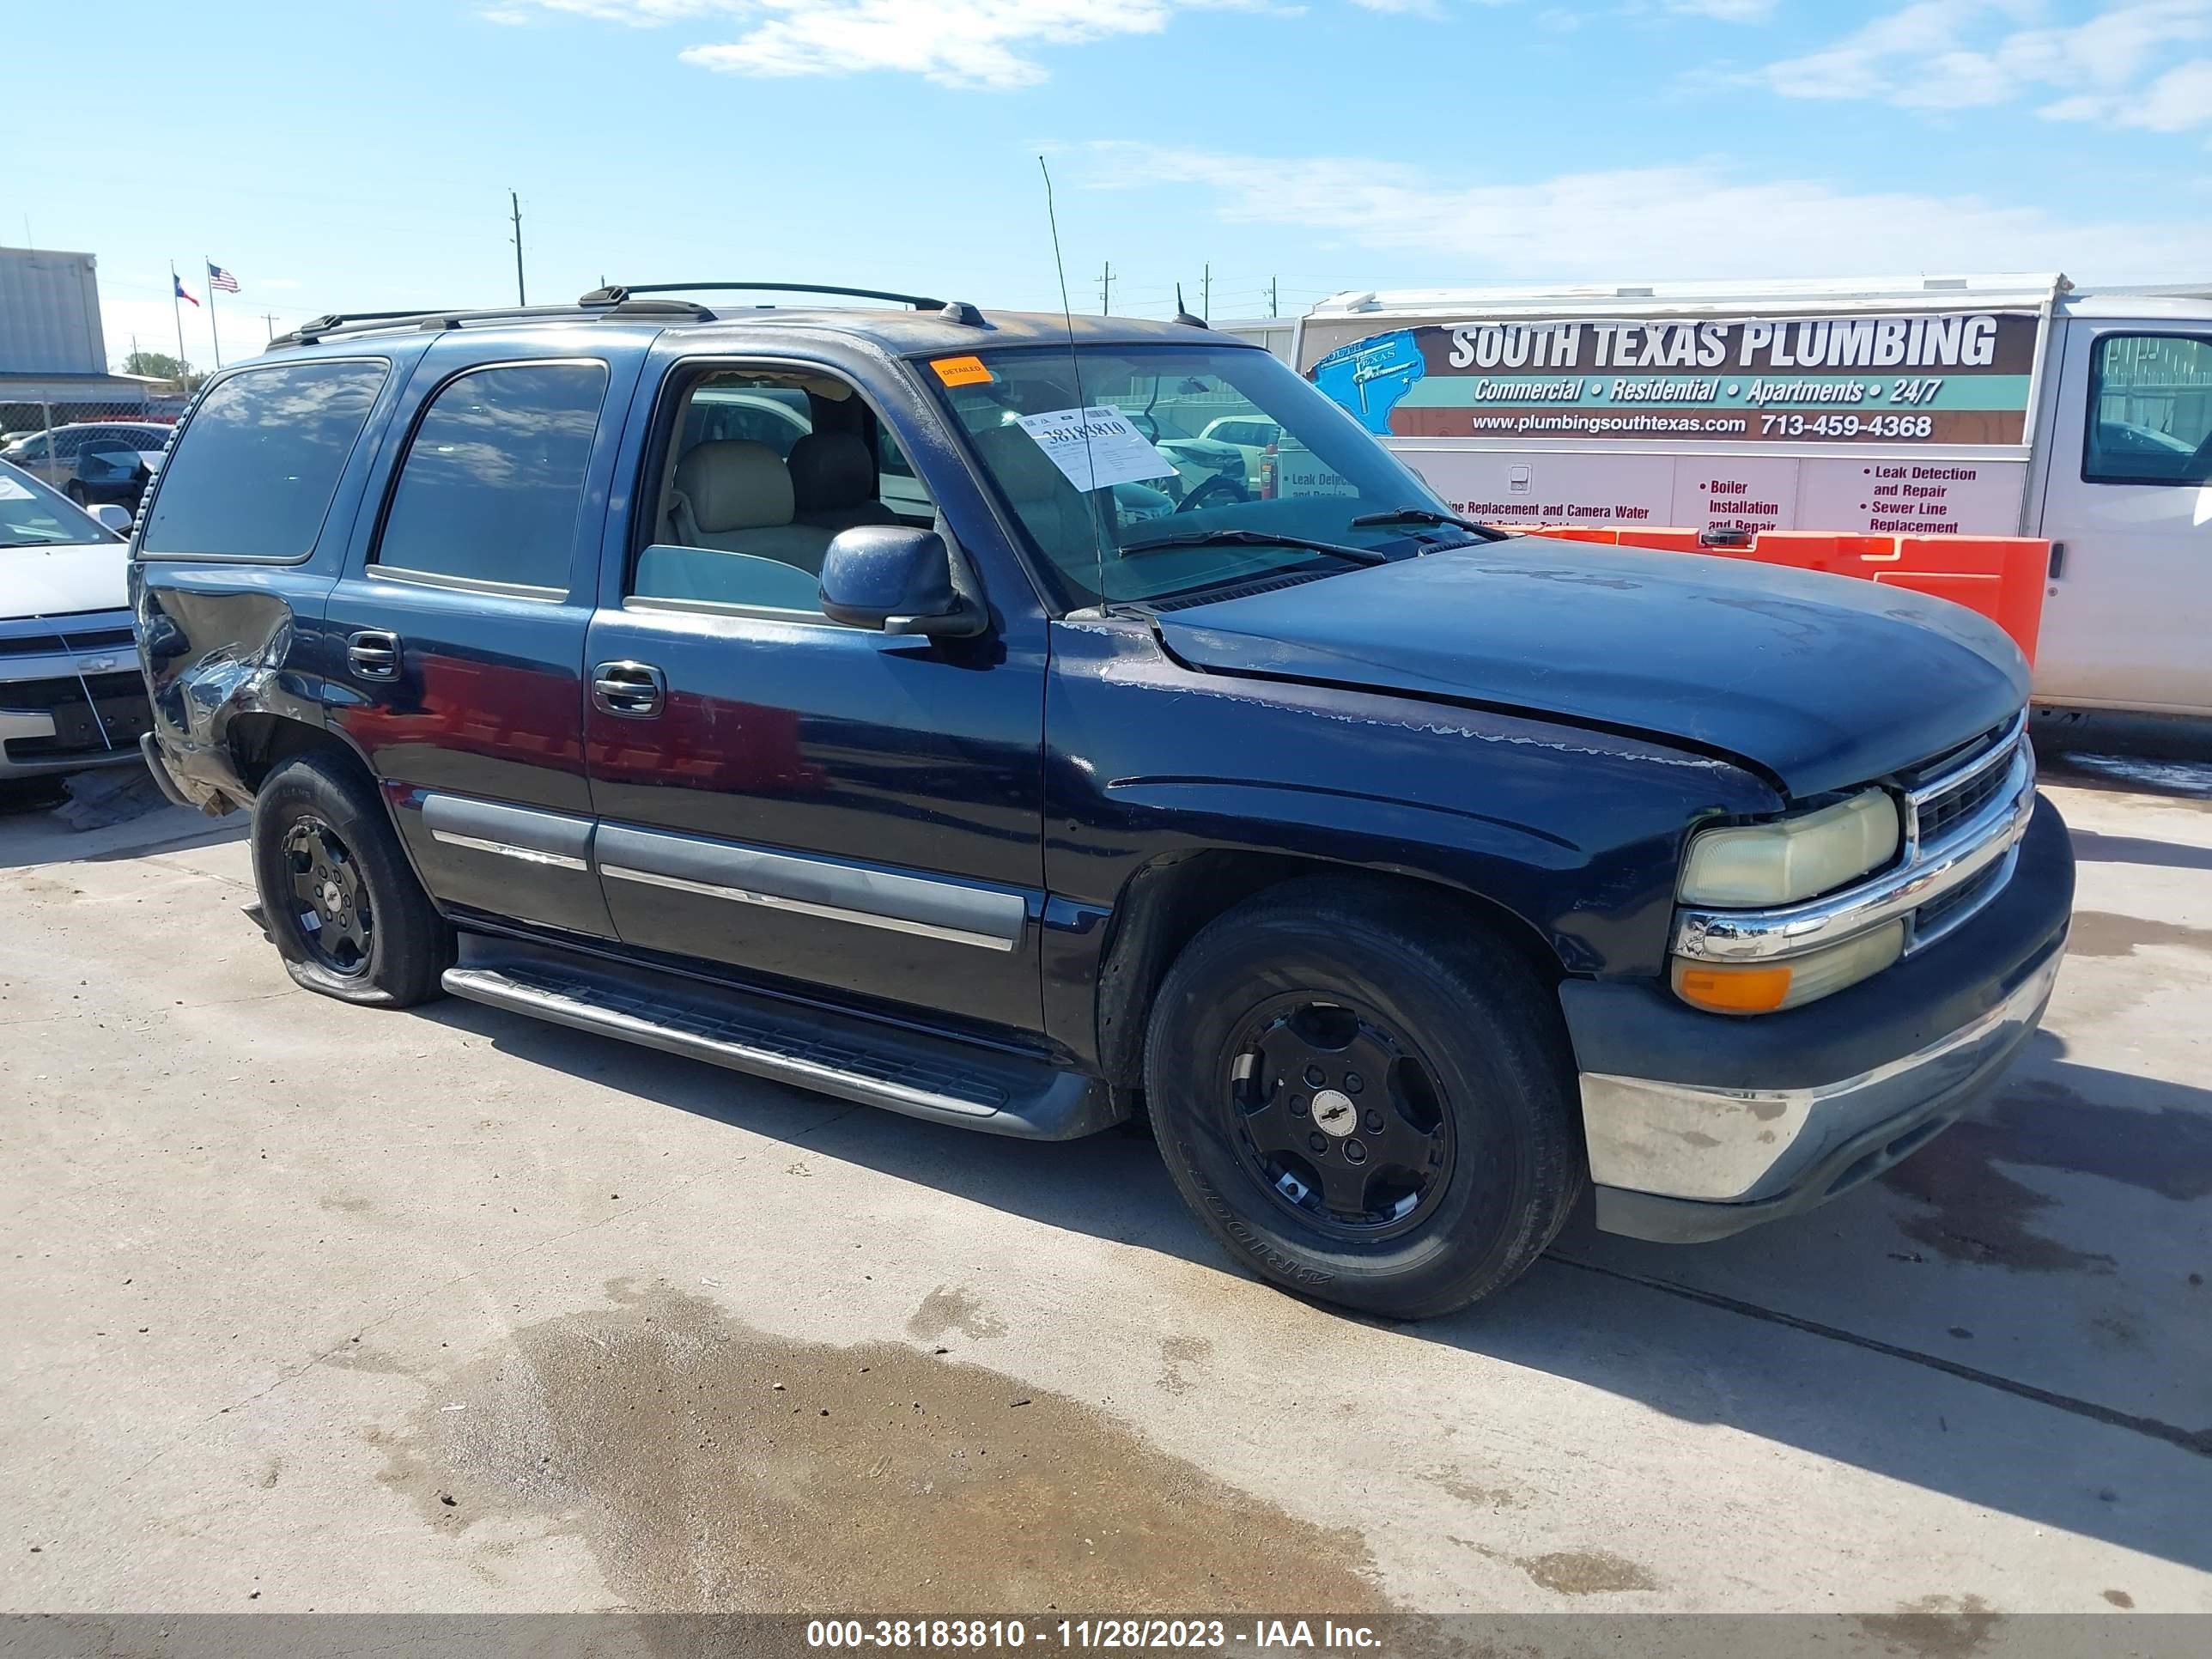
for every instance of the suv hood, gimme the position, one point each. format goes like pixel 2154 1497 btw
pixel 59 580
pixel 1822 682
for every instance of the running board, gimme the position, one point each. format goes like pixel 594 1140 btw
pixel 939 1079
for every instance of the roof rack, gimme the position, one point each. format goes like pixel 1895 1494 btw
pixel 360 322
pixel 955 311
pixel 615 300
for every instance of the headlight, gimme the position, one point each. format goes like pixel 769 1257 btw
pixel 1766 987
pixel 1791 859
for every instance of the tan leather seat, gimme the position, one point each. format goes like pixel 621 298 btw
pixel 1058 518
pixel 735 494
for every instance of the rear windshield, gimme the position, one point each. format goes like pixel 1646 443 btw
pixel 253 473
pixel 1122 461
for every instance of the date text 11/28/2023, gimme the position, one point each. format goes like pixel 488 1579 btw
pixel 1258 1635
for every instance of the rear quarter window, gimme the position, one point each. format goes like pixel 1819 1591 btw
pixel 255 468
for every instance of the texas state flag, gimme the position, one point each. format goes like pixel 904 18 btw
pixel 181 293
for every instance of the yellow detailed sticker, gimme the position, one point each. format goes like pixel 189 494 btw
pixel 961 371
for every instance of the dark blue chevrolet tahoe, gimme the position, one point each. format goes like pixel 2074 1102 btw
pixel 894 702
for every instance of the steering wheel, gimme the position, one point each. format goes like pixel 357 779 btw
pixel 1218 483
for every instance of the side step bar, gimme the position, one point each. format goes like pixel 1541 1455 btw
pixel 938 1079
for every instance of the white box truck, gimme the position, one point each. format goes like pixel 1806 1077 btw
pixel 1940 405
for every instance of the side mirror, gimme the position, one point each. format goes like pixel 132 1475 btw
pixel 898 579
pixel 116 518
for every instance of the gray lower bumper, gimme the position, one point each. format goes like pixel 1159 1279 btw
pixel 37 723
pixel 1680 1162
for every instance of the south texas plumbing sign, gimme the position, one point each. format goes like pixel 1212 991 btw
pixel 1952 378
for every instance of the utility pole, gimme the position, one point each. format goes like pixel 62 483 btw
pixel 521 296
pixel 270 319
pixel 1106 290
pixel 1273 310
pixel 1206 294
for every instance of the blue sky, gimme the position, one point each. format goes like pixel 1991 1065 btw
pixel 358 156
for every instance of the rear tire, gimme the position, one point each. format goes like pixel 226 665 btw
pixel 75 491
pixel 1366 1104
pixel 339 898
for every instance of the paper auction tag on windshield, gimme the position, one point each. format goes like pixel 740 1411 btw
pixel 12 491
pixel 1096 448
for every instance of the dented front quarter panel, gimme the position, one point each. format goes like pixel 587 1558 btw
pixel 1575 832
pixel 217 642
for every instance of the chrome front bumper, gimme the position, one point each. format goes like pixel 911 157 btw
pixel 1761 1153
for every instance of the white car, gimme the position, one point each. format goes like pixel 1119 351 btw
pixel 1252 433
pixel 71 695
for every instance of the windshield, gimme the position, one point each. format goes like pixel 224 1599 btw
pixel 32 515
pixel 1168 475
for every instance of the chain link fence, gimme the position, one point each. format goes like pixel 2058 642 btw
pixel 95 453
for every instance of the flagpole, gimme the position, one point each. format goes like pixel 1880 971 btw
pixel 177 312
pixel 214 333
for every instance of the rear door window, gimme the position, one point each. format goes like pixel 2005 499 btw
pixel 254 472
pixel 490 485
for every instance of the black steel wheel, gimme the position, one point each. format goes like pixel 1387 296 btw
pixel 1366 1094
pixel 1339 1116
pixel 341 902
pixel 330 905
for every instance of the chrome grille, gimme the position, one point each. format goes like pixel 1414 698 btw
pixel 1939 809
pixel 1945 812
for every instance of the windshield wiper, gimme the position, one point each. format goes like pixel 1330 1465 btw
pixel 1426 515
pixel 1254 538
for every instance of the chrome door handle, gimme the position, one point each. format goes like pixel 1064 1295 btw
pixel 373 654
pixel 635 691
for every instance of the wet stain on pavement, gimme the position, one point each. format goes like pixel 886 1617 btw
pixel 1587 1573
pixel 1936 1626
pixel 948 1308
pixel 2119 1598
pixel 1470 1492
pixel 2108 934
pixel 1175 1353
pixel 2178 781
pixel 709 1465
pixel 1979 1213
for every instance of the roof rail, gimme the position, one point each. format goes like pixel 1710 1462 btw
pixel 614 293
pixel 955 311
pixel 360 322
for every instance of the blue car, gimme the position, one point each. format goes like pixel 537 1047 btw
pixel 1413 880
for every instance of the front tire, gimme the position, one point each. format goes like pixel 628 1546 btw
pixel 338 895
pixel 1366 1104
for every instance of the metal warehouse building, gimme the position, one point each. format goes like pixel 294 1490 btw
pixel 53 353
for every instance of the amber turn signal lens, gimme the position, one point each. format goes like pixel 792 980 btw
pixel 1733 990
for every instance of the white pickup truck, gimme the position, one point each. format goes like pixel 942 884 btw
pixel 1943 405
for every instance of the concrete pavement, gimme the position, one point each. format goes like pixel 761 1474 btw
pixel 318 1308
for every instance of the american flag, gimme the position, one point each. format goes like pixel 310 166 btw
pixel 220 278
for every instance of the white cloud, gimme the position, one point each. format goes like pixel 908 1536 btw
pixel 1964 54
pixel 991 43
pixel 1669 221
pixel 639 14
pixel 1725 11
pixel 2174 102
pixel 958 43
